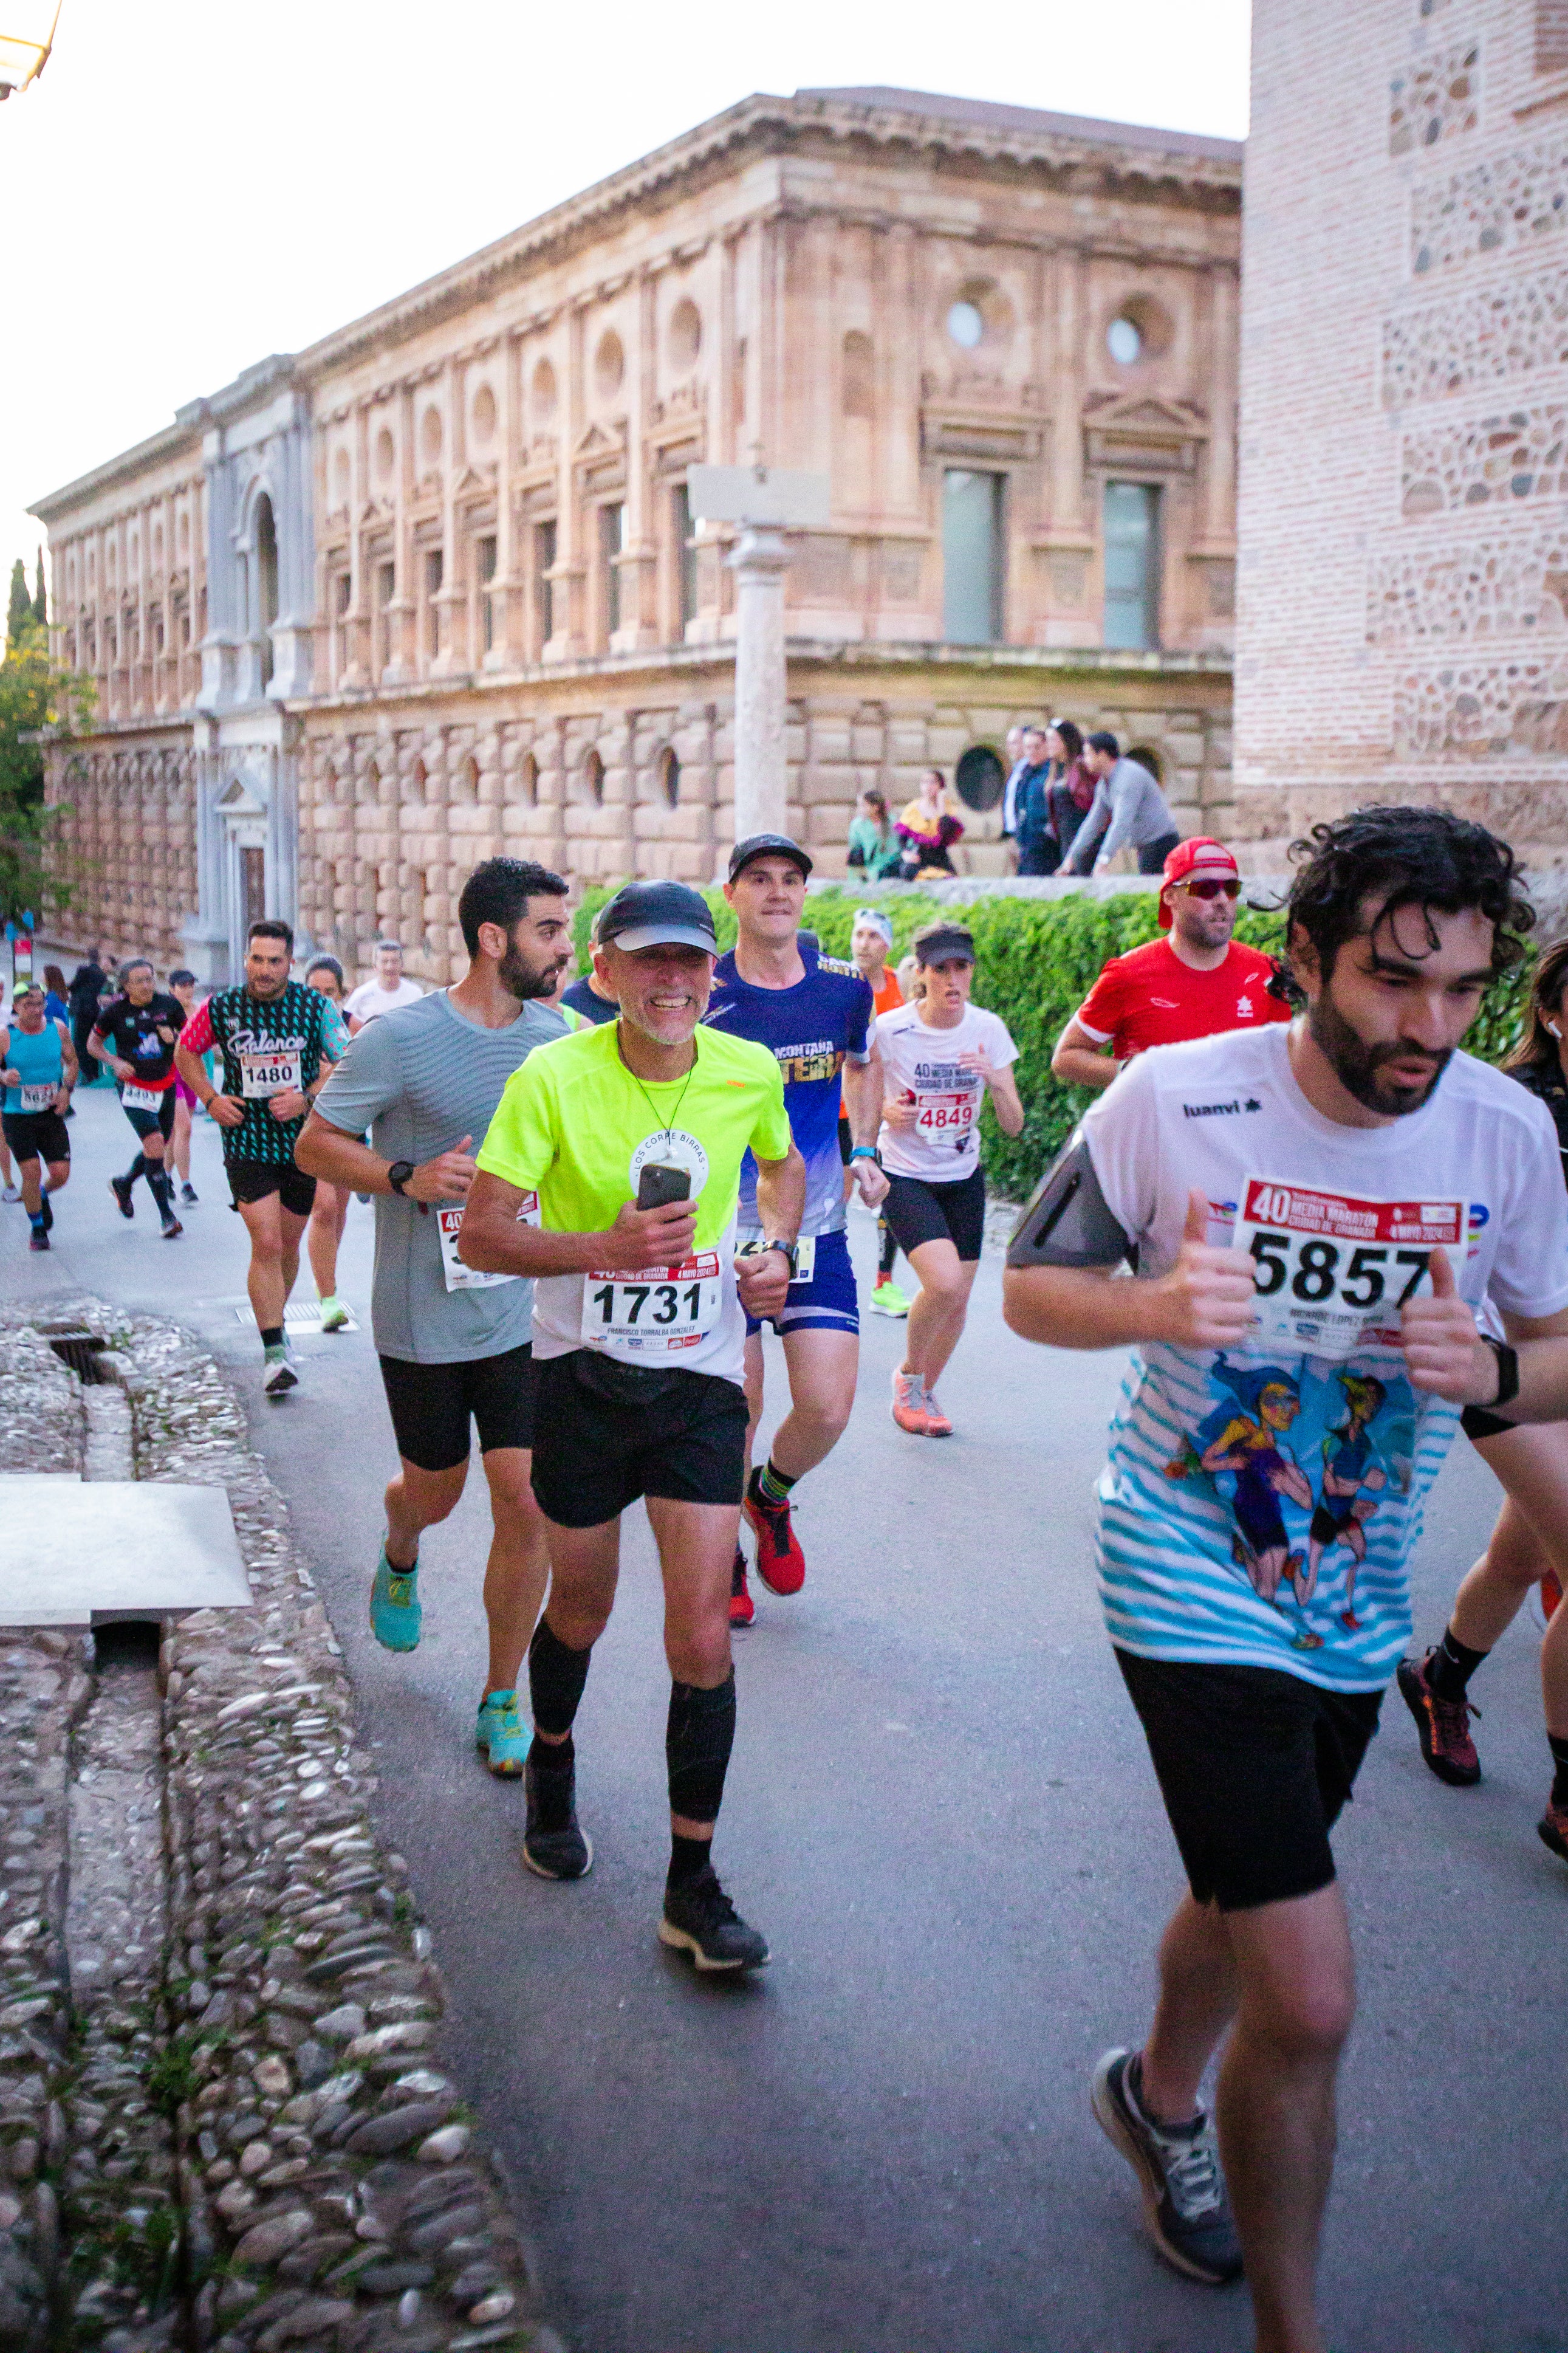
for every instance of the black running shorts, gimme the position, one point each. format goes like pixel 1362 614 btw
pixel 253 1180
pixel 432 1405
pixel 593 1455
pixel 917 1212
pixel 153 1123
pixel 36 1134
pixel 1475 1421
pixel 1255 1767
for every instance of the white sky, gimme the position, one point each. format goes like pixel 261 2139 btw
pixel 193 184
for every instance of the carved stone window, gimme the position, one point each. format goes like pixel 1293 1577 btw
pixel 685 332
pixel 667 768
pixel 609 364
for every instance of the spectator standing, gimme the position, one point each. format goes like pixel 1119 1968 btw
pixel 385 993
pixel 1073 785
pixel 1194 984
pixel 1013 761
pixel 927 829
pixel 87 984
pixel 874 847
pixel 1128 810
pixel 1039 852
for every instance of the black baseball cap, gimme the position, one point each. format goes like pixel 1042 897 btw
pixel 656 915
pixel 767 845
pixel 945 943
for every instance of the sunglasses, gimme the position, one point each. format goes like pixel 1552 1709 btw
pixel 1211 887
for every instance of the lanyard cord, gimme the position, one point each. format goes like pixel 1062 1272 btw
pixel 665 1127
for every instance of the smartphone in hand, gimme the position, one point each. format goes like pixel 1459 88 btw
pixel 660 1183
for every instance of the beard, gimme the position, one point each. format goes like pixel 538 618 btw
pixel 1359 1067
pixel 520 979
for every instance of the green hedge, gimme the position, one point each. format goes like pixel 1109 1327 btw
pixel 1035 961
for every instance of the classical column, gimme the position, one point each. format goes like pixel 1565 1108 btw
pixel 762 795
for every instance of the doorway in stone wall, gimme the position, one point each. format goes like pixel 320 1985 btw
pixel 252 886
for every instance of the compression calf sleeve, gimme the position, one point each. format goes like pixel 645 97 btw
pixel 556 1675
pixel 158 1186
pixel 698 1739
pixel 138 1168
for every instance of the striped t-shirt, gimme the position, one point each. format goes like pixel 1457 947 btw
pixel 1260 1505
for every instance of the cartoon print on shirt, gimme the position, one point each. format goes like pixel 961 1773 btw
pixel 1240 1449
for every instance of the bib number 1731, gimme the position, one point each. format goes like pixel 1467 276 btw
pixel 1333 1271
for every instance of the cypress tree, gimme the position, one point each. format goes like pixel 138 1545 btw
pixel 40 600
pixel 20 610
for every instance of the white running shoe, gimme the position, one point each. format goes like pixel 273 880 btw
pixel 280 1376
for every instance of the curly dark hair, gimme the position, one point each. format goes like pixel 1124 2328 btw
pixel 1425 858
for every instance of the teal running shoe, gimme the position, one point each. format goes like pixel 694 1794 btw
pixel 394 1611
pixel 502 1734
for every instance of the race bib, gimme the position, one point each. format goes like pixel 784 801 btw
pixel 1333 1271
pixel 804 1259
pixel 657 1312
pixel 42 1096
pixel 449 1224
pixel 135 1098
pixel 264 1074
pixel 945 1118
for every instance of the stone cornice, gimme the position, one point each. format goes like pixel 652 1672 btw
pixel 167 443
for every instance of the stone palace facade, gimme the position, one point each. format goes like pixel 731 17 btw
pixel 431 588
pixel 1403 629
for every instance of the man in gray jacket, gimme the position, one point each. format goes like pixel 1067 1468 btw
pixel 1127 809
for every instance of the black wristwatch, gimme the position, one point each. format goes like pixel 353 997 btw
pixel 787 1250
pixel 397 1176
pixel 1507 1372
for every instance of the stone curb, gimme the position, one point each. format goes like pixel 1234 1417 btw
pixel 333 2187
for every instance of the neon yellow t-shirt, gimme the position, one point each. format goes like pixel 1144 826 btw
pixel 576 1127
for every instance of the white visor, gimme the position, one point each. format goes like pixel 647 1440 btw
pixel 665 936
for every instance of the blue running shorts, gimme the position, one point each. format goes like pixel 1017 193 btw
pixel 828 1302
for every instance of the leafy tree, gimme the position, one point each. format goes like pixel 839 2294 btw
pixel 19 613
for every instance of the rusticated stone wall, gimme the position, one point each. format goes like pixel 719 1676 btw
pixel 128 842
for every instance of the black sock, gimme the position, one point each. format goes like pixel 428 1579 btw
pixel 138 1168
pixel 1451 1665
pixel 158 1186
pixel 698 1739
pixel 556 1675
pixel 1560 1759
pixel 272 1335
pixel 687 1859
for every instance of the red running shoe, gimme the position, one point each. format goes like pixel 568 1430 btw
pixel 1443 1726
pixel 781 1564
pixel 742 1609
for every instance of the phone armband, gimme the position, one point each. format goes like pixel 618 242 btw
pixel 1067 1220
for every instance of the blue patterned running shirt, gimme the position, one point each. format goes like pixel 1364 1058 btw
pixel 810 1030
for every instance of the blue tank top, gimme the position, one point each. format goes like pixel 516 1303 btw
pixel 36 1060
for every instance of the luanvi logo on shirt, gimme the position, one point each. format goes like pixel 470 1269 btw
pixel 1219 1111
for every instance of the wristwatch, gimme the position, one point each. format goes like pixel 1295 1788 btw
pixel 1507 1372
pixel 787 1250
pixel 865 1152
pixel 397 1176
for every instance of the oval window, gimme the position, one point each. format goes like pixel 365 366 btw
pixel 965 325
pixel 980 777
pixel 1124 342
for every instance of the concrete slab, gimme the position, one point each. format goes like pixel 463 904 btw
pixel 76 1553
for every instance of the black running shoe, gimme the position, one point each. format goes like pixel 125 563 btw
pixel 188 1193
pixel 121 1188
pixel 553 1844
pixel 172 1230
pixel 37 1240
pixel 48 1215
pixel 1184 2202
pixel 700 1919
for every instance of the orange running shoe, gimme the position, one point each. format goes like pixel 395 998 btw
pixel 937 1422
pixel 909 1404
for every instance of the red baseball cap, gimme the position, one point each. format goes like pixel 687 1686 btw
pixel 1198 855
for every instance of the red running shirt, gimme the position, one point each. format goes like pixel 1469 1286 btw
pixel 1150 998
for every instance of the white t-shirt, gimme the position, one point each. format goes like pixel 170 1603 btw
pixel 1298 1464
pixel 369 998
pixel 944 1145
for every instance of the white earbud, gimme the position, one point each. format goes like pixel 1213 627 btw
pixel 1555 1030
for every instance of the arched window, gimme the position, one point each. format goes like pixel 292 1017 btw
pixel 265 580
pixel 858 374
pixel 594 778
pixel 1147 757
pixel 528 780
pixel 468 780
pixel 668 771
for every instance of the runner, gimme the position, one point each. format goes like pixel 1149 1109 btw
pixel 275 1036
pixel 329 1211
pixel 454 1345
pixel 815 1018
pixel 1529 1546
pixel 639 1330
pixel 38 1065
pixel 1298 1151
pixel 586 997
pixel 135 1038
pixel 939 1057
pixel 1194 983
pixel 385 993
pixel 871 944
pixel 182 989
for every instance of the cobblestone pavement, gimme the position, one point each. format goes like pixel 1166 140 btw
pixel 222 2116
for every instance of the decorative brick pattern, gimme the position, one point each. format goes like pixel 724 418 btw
pixel 1434 100
pixel 1511 200
pixel 1484 338
pixel 1483 711
pixel 1487 460
pixel 1490 588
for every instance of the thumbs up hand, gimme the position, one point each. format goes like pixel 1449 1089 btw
pixel 1206 1300
pixel 1442 1353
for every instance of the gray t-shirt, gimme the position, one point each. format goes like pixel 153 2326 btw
pixel 421 1078
pixel 1137 810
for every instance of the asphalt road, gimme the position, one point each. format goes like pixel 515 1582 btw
pixel 941 1814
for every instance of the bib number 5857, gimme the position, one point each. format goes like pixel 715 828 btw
pixel 1365 1282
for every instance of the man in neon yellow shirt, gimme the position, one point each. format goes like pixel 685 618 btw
pixel 639 1326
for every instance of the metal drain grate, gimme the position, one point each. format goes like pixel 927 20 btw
pixel 81 1351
